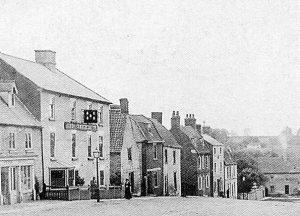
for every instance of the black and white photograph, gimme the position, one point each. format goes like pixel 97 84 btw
pixel 150 107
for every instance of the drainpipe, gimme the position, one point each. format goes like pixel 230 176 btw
pixel 42 149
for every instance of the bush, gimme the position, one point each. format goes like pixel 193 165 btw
pixel 79 181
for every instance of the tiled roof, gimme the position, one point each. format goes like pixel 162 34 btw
pixel 118 122
pixel 277 165
pixel 196 139
pixel 55 81
pixel 117 127
pixel 227 158
pixel 148 128
pixel 211 140
pixel 166 135
pixel 17 115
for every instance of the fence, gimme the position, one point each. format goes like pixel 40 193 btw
pixel 254 194
pixel 112 192
pixel 66 193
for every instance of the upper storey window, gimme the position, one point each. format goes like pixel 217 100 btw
pixel 52 108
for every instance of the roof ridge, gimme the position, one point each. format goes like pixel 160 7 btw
pixel 19 58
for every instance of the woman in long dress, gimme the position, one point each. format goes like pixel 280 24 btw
pixel 127 189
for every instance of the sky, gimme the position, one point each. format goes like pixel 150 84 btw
pixel 233 64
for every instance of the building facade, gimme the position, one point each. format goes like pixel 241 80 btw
pixel 230 179
pixel 20 147
pixel 58 103
pixel 195 157
pixel 217 165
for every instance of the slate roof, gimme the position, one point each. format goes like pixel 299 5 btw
pixel 276 165
pixel 6 85
pixel 55 80
pixel 18 115
pixel 166 135
pixel 211 140
pixel 196 139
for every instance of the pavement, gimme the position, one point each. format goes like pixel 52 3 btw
pixel 204 206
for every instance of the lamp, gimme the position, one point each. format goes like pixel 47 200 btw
pixel 96 154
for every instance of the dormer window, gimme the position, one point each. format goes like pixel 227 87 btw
pixel 13 99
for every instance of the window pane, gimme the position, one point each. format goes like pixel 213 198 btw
pixel 73 145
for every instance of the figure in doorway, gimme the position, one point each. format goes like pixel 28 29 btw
pixel 127 189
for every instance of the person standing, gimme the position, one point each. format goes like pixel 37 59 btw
pixel 127 189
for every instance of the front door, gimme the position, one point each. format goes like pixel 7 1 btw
pixel 131 179
pixel 150 187
pixel 5 185
pixel 287 189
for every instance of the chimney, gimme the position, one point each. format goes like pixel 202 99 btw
pixel 190 121
pixel 46 58
pixel 157 116
pixel 198 127
pixel 175 120
pixel 124 105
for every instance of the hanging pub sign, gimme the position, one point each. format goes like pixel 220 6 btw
pixel 90 116
pixel 80 126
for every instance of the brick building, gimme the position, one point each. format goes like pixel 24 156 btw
pixel 137 153
pixel 20 147
pixel 195 156
pixel 57 101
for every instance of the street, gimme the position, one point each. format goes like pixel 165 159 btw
pixel 155 206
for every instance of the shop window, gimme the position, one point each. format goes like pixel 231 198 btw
pixel 26 177
pixel 71 177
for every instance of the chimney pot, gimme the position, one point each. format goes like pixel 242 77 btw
pixel 173 113
pixel 124 105
pixel 177 113
pixel 175 121
pixel 157 116
pixel 46 58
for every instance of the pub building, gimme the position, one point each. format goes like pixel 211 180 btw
pixel 74 119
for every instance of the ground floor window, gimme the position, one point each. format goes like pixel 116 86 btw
pixel 26 177
pixel 71 177
pixel 200 183
pixel 101 177
pixel 207 181
pixel 175 181
pixel 58 178
pixel 272 189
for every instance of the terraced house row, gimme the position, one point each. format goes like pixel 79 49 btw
pixel 50 125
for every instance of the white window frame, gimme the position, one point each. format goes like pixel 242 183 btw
pixel 200 162
pixel 154 151
pixel 52 108
pixel 28 141
pixel 200 182
pixel 206 181
pixel 12 141
pixel 73 110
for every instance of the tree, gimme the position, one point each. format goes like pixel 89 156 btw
pixel 247 171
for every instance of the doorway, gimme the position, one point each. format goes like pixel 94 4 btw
pixel 131 179
pixel 287 189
